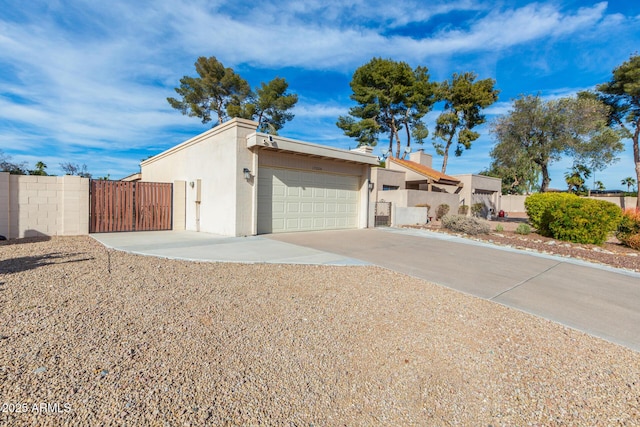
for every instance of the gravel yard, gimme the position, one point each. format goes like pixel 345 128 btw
pixel 92 336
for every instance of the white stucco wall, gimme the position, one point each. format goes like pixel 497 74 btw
pixel 216 158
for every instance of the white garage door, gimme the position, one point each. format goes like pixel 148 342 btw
pixel 295 200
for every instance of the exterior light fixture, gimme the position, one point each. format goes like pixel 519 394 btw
pixel 191 184
pixel 371 186
pixel 247 173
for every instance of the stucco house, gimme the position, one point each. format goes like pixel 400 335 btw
pixel 234 181
pixel 413 182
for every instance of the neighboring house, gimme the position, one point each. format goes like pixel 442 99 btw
pixel 413 182
pixel 134 177
pixel 234 181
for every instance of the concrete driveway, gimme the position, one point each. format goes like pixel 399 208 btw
pixel 601 301
pixel 598 300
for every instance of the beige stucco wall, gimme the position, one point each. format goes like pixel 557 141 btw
pixel 381 177
pixel 43 205
pixel 474 185
pixel 515 203
pixel 422 158
pixel 412 198
pixel 216 159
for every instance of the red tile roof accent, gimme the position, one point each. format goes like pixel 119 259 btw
pixel 428 172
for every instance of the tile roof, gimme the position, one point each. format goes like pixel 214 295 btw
pixel 426 171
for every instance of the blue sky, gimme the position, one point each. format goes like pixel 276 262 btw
pixel 87 82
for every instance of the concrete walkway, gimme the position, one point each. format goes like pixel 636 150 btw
pixel 194 246
pixel 598 300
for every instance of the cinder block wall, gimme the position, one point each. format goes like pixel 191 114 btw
pixel 43 205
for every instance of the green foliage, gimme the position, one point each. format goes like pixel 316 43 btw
pixel 499 228
pixel 576 179
pixel 517 177
pixel 220 91
pixel 583 220
pixel 465 224
pixel 622 95
pixel 538 207
pixel 523 229
pixel 476 209
pixel 464 99
pixel 537 133
pixel 629 182
pixel 269 106
pixel 463 210
pixel 391 97
pixel 39 170
pixel 442 210
pixel 628 231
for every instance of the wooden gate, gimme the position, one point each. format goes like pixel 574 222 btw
pixel 129 206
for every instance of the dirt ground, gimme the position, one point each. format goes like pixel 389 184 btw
pixel 90 336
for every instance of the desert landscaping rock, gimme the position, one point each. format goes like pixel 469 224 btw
pixel 133 340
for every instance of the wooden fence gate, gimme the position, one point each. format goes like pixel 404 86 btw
pixel 129 206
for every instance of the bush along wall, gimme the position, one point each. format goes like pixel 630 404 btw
pixel 572 218
pixel 629 229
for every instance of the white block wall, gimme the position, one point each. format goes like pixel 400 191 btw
pixel 43 205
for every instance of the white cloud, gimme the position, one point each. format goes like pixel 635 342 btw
pixel 96 74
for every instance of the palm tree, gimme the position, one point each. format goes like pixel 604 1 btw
pixel 629 182
pixel 39 170
pixel 598 186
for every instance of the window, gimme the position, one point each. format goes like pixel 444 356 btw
pixel 389 187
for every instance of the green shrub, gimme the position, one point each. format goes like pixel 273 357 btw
pixel 463 210
pixel 442 210
pixel 523 229
pixel 540 205
pixel 465 224
pixel 499 228
pixel 476 209
pixel 628 231
pixel 581 220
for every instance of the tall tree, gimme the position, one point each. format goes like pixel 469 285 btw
pixel 576 179
pixel 219 91
pixel 539 133
pixel 269 106
pixel 392 98
pixel 518 174
pixel 464 99
pixel 39 170
pixel 629 182
pixel 622 95
pixel 216 89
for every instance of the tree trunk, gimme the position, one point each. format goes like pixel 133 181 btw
pixel 545 177
pixel 636 160
pixel 445 156
pixel 408 139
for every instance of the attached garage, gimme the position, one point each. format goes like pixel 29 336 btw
pixel 234 181
pixel 299 200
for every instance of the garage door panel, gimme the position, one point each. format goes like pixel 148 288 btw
pixel 295 200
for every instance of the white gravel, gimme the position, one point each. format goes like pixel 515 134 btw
pixel 92 336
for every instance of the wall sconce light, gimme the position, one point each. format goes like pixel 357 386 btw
pixel 247 173
pixel 371 186
pixel 191 184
